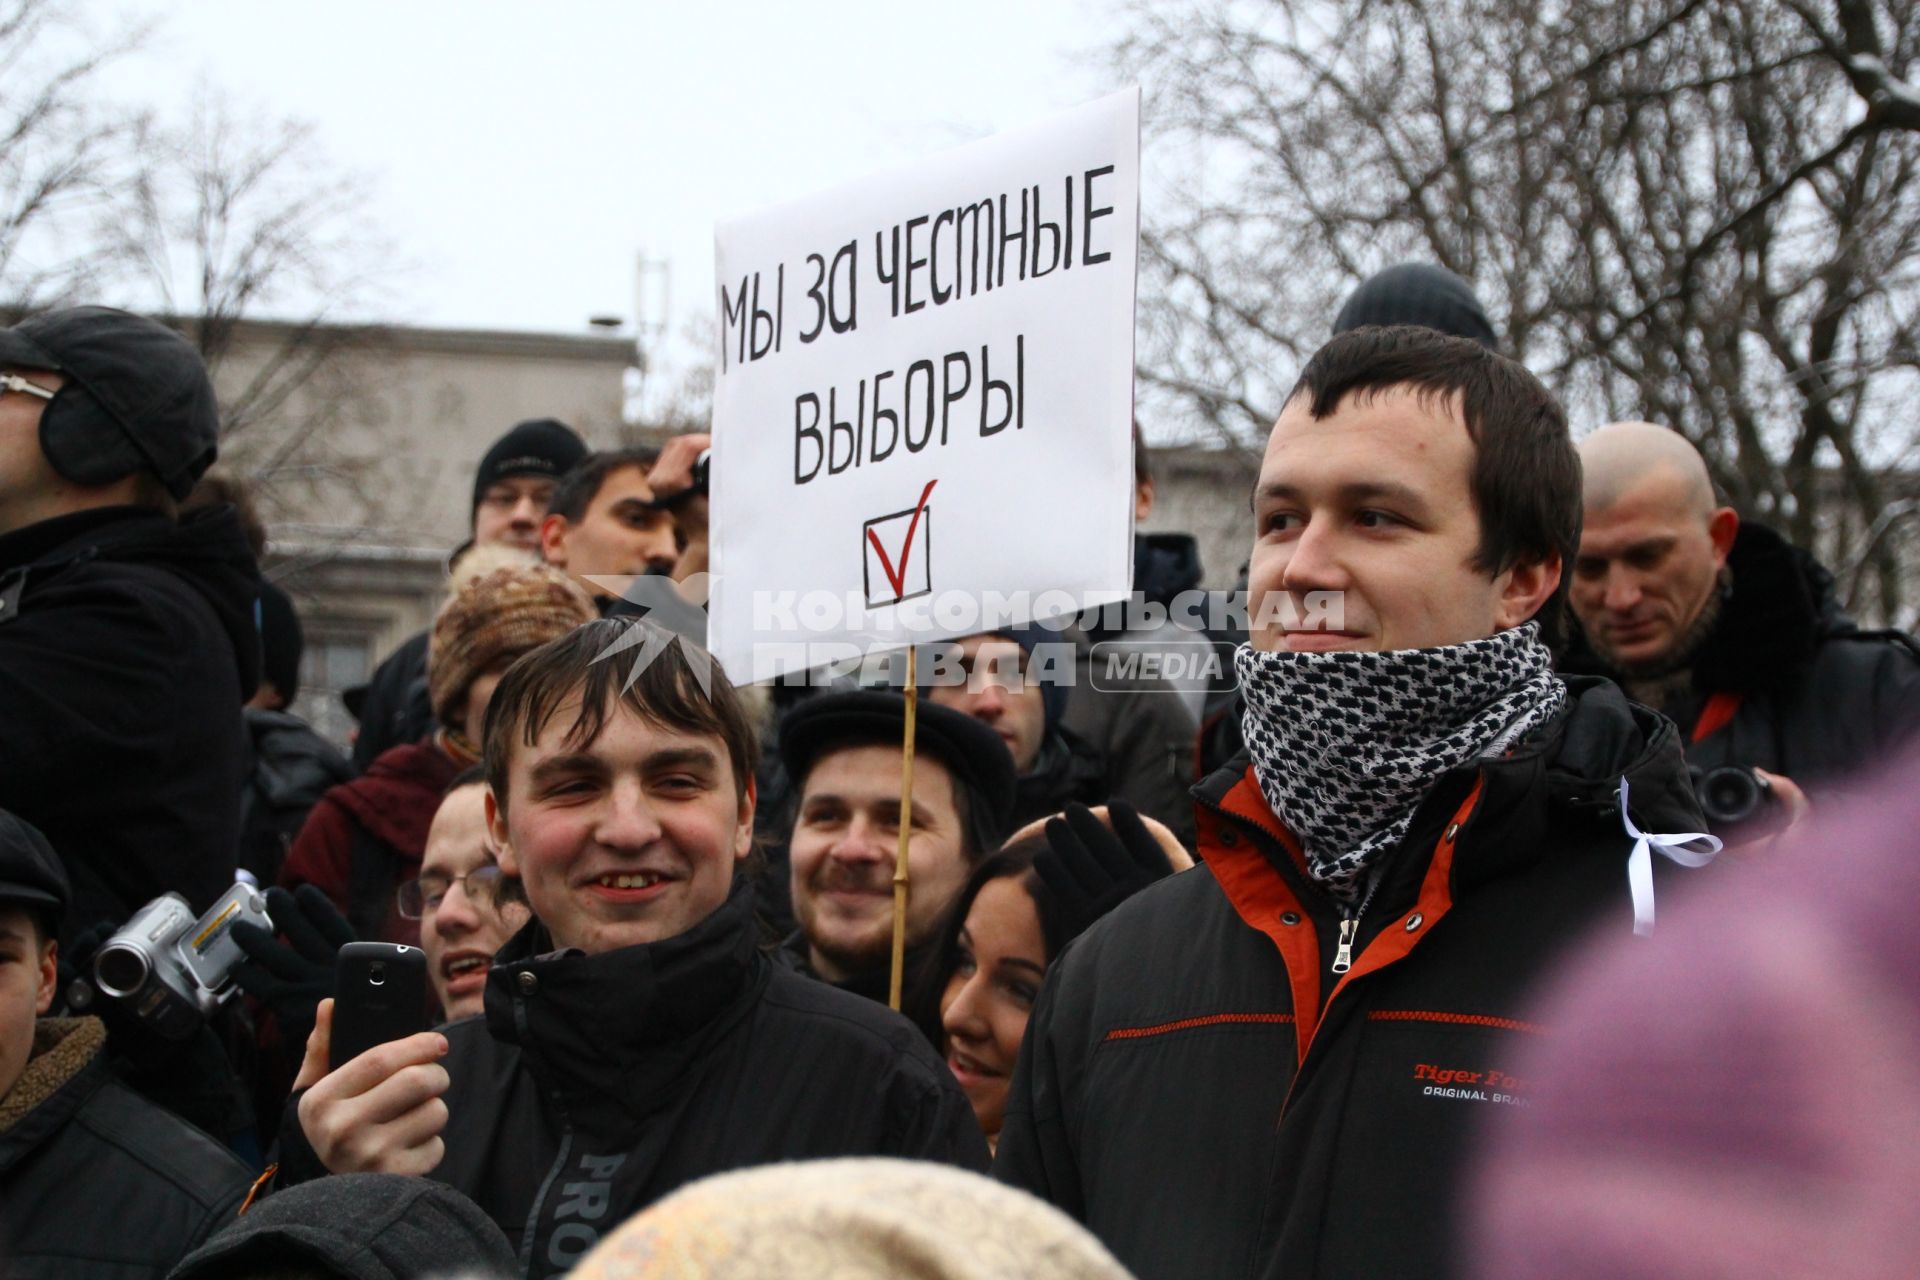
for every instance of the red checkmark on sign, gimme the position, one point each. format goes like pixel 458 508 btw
pixel 898 577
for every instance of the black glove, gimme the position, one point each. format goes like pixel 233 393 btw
pixel 291 978
pixel 1091 869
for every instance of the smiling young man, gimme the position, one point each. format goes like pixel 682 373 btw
pixel 1299 1037
pixel 635 1036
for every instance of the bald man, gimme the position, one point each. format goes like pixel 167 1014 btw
pixel 1724 627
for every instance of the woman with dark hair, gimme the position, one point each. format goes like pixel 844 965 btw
pixel 1013 914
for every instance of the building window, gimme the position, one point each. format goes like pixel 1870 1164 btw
pixel 332 663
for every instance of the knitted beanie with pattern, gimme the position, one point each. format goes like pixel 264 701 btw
pixel 493 620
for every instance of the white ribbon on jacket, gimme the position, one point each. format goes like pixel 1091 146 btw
pixel 1640 861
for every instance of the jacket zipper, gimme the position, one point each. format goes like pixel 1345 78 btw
pixel 1350 929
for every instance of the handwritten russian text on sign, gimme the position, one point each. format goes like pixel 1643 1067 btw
pixel 922 416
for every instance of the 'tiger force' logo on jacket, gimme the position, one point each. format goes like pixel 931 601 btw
pixel 1471 1086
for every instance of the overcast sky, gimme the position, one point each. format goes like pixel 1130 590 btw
pixel 522 155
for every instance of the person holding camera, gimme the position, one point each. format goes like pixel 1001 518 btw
pixel 127 636
pixel 1731 632
pixel 94 1179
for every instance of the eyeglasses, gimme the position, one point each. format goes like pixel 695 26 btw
pixel 417 897
pixel 14 382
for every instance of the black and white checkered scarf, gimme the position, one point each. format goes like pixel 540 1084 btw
pixel 1346 745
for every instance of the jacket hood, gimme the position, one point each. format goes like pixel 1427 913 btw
pixel 359 1226
pixel 614 1029
pixel 398 795
pixel 1165 564
pixel 1783 604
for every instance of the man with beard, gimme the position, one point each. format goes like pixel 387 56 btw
pixel 1274 1064
pixel 842 751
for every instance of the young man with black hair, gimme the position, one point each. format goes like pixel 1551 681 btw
pixel 127 638
pixel 635 1036
pixel 603 522
pixel 94 1180
pixel 1018 682
pixel 1299 1037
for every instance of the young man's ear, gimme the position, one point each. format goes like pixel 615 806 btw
pixel 1524 589
pixel 553 541
pixel 497 828
pixel 743 830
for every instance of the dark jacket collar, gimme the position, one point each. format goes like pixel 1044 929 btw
pixel 66 1067
pixel 206 549
pixel 618 1028
pixel 875 984
pixel 63 537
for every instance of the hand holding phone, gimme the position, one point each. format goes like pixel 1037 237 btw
pixel 381 1112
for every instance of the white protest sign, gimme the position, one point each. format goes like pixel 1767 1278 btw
pixel 923 406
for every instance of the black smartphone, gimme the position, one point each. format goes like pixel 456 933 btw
pixel 379 994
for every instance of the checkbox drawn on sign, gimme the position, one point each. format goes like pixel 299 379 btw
pixel 896 554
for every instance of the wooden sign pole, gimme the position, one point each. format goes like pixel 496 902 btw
pixel 901 889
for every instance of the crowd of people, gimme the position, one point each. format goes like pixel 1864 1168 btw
pixel 1260 977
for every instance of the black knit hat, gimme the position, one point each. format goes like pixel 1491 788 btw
pixel 137 396
pixel 537 447
pixel 30 871
pixel 971 752
pixel 281 641
pixel 1418 293
pixel 358 1226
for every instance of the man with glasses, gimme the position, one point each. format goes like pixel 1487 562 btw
pixel 464 917
pixel 127 633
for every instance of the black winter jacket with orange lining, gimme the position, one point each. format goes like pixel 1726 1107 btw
pixel 1202 1090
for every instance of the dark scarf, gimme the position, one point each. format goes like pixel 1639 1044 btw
pixel 1346 745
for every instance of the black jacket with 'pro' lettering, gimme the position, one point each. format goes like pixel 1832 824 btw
pixel 595 1085
pixel 1203 1092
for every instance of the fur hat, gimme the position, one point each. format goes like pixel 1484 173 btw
pixel 495 618
pixel 820 1219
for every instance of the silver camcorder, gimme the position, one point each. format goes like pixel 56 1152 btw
pixel 172 970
